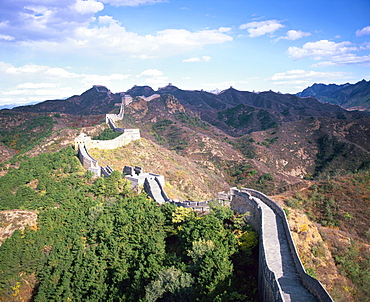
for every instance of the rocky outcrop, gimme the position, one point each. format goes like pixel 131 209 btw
pixel 12 220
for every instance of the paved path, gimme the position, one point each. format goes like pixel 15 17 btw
pixel 279 258
pixel 156 191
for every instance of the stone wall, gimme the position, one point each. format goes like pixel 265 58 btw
pixel 197 206
pixel 269 288
pixel 87 161
pixel 125 138
pixel 312 284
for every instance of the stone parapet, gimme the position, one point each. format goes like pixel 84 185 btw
pixel 279 262
pixel 128 136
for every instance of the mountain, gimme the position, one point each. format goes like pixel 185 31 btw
pixel 236 112
pixel 96 100
pixel 349 96
pixel 140 91
pixel 240 112
pixel 313 157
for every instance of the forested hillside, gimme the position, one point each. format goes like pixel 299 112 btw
pixel 97 240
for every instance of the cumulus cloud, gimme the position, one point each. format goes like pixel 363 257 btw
pixel 260 28
pixel 88 6
pixel 224 29
pixel 71 26
pixel 319 49
pixel 36 83
pixel 350 59
pixel 112 39
pixel 153 76
pixel 132 2
pixel 30 20
pixel 334 53
pixel 6 37
pixel 294 35
pixel 196 59
pixel 150 73
pixel 363 32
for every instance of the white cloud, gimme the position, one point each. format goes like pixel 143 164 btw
pixel 132 2
pixel 114 40
pixel 350 59
pixel 70 27
pixel 294 35
pixel 322 48
pixel 88 6
pixel 150 73
pixel 260 28
pixel 192 60
pixel 6 37
pixel 366 45
pixel 107 20
pixel 324 64
pixel 299 79
pixel 196 60
pixel 40 20
pixel 305 74
pixel 363 32
pixel 337 53
pixel 36 83
pixel 224 29
pixel 153 76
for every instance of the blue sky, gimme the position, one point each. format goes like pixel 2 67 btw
pixel 52 49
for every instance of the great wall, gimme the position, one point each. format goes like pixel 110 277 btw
pixel 281 276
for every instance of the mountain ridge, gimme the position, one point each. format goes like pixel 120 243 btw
pixel 260 111
pixel 349 96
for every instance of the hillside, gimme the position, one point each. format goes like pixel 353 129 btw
pixel 349 96
pixel 313 157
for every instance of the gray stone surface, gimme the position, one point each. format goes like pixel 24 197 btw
pixel 279 258
pixel 281 274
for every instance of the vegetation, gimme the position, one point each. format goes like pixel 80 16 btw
pixel 266 120
pixel 336 157
pixel 241 173
pixel 243 114
pixel 28 134
pixel 245 145
pixel 97 240
pixel 107 134
pixel 342 203
pixel 170 135
pixel 195 121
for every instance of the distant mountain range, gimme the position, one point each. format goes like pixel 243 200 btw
pixel 234 112
pixel 349 96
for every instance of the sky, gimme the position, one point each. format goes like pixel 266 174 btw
pixel 52 49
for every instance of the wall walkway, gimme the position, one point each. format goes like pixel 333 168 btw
pixel 281 274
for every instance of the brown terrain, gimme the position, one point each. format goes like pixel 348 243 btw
pixel 316 168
